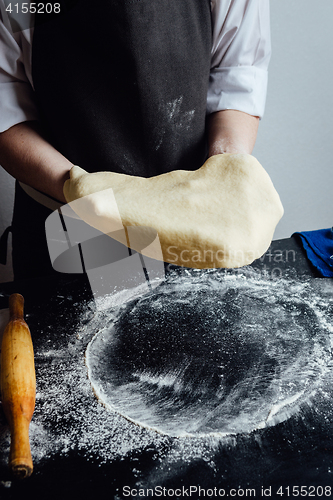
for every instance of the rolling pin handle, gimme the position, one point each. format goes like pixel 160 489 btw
pixel 16 306
pixel 20 460
pixel 18 386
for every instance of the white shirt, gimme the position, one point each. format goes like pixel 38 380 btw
pixel 240 55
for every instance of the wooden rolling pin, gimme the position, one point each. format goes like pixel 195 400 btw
pixel 18 386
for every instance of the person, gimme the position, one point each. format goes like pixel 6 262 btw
pixel 137 87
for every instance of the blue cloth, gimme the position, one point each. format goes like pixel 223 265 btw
pixel 318 246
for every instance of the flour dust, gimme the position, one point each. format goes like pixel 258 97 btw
pixel 262 362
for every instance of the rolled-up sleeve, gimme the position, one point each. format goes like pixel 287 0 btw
pixel 240 56
pixel 16 93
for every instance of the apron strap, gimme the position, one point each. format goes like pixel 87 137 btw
pixel 4 245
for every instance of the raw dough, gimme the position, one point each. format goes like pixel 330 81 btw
pixel 221 215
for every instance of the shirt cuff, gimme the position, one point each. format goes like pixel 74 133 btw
pixel 16 104
pixel 242 88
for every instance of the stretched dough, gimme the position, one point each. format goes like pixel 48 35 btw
pixel 222 215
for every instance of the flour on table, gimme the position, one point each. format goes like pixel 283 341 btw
pixel 213 355
pixel 69 419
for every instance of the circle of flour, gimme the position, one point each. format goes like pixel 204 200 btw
pixel 209 356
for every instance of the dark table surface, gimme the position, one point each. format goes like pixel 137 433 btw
pixel 80 448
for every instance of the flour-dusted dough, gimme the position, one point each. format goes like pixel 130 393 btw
pixel 221 215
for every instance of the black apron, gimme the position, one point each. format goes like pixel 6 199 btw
pixel 121 85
